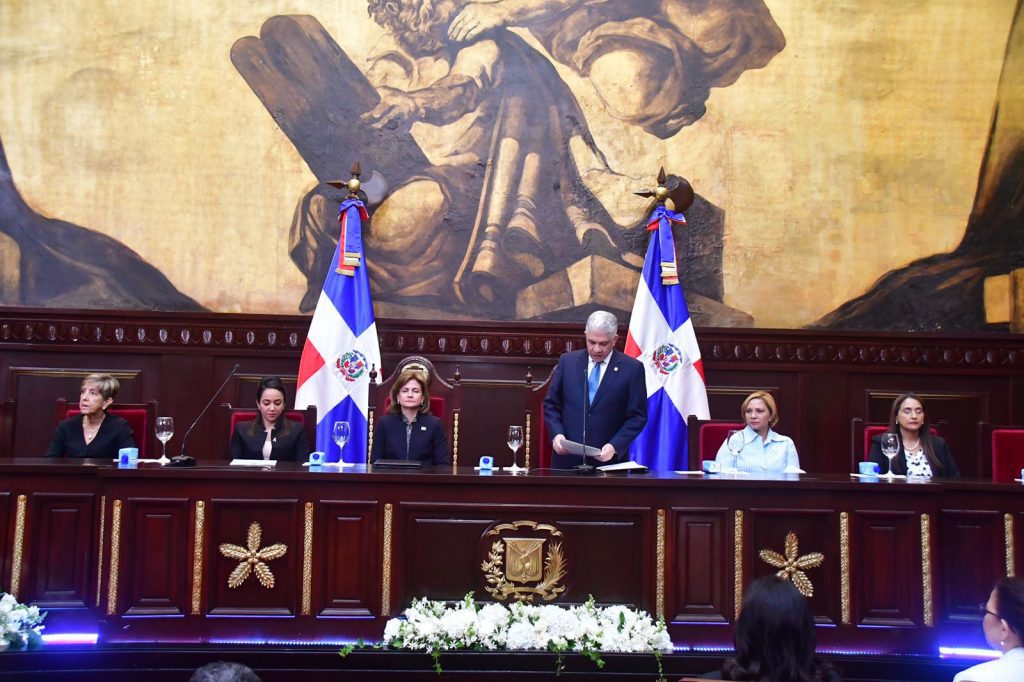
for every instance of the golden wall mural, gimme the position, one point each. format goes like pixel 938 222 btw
pixel 849 165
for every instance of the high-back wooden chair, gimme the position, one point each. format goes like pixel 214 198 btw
pixel 704 437
pixel 445 399
pixel 536 441
pixel 142 417
pixel 1002 447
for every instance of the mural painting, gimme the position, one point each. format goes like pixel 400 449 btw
pixel 502 143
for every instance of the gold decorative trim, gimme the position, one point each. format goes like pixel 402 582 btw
pixel 307 562
pixel 115 558
pixel 526 437
pixel 197 558
pixel 926 569
pixel 19 545
pixel 1008 541
pixel 252 558
pixel 791 565
pixel 516 580
pixel 369 438
pixel 455 440
pixel 99 550
pixel 659 559
pixel 844 567
pixel 737 563
pixel 385 589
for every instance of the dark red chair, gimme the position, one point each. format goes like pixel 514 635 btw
pixel 704 437
pixel 445 400
pixel 142 417
pixel 1003 446
pixel 305 417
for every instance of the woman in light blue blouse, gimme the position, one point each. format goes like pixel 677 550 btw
pixel 757 449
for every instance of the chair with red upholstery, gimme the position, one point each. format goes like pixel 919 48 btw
pixel 142 417
pixel 305 417
pixel 445 399
pixel 704 437
pixel 861 433
pixel 1003 445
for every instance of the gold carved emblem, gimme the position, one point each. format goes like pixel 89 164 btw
pixel 251 558
pixel 792 564
pixel 522 568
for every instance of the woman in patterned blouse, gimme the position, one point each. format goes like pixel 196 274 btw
pixel 922 453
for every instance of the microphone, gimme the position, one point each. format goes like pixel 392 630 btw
pixel 583 467
pixel 183 460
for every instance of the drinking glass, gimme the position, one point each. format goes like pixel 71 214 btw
pixel 890 448
pixel 515 441
pixel 164 432
pixel 341 434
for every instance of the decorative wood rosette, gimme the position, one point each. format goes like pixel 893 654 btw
pixel 792 565
pixel 527 566
pixel 251 558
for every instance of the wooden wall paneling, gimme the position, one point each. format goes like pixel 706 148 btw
pixel 6 539
pixel 821 422
pixel 886 591
pixel 155 557
pixel 699 563
pixel 970 559
pixel 348 534
pixel 60 541
pixel 817 531
pixel 282 521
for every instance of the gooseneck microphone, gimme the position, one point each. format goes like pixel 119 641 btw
pixel 183 460
pixel 583 467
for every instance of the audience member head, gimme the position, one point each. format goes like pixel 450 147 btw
pixel 756 407
pixel 1003 619
pixel 222 671
pixel 411 378
pixel 97 393
pixel 775 637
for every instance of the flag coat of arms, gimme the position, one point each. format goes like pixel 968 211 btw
pixel 341 346
pixel 661 336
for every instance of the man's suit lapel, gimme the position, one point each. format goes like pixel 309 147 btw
pixel 611 375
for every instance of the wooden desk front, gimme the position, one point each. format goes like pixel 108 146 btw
pixel 137 553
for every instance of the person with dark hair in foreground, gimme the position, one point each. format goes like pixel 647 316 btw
pixel 222 671
pixel 1002 618
pixel 775 638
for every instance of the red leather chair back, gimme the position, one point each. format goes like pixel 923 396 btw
pixel 139 419
pixel 1007 454
pixel 712 435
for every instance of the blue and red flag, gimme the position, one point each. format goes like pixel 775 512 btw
pixel 341 347
pixel 661 336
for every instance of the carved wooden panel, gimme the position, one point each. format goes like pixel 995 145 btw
pixel 886 548
pixel 155 557
pixel 439 550
pixel 60 545
pixel 281 521
pixel 971 558
pixel 697 561
pixel 816 531
pixel 348 538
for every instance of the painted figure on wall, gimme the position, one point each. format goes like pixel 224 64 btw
pixel 494 179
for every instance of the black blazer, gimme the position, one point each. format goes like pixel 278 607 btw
pixel 288 440
pixel 69 438
pixel 617 415
pixel 428 442
pixel 899 462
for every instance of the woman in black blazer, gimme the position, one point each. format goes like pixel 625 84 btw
pixel 921 452
pixel 271 435
pixel 93 433
pixel 408 430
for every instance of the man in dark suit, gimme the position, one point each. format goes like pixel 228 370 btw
pixel 597 396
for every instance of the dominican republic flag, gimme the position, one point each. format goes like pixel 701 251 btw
pixel 661 337
pixel 334 372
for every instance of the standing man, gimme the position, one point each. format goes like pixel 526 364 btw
pixel 597 396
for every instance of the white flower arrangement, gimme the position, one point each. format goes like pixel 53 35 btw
pixel 20 626
pixel 434 626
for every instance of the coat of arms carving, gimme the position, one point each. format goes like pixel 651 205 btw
pixel 527 565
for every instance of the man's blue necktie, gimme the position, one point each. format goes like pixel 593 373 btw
pixel 594 380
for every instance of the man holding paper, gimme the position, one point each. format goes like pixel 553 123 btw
pixel 598 396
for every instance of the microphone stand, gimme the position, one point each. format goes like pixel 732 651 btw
pixel 583 467
pixel 183 460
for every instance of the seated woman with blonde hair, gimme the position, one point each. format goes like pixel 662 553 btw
pixel 408 430
pixel 93 433
pixel 757 449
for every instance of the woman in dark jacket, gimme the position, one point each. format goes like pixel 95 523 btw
pixel 93 433
pixel 921 453
pixel 408 430
pixel 271 436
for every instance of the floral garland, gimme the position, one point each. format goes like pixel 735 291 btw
pixel 435 626
pixel 21 626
